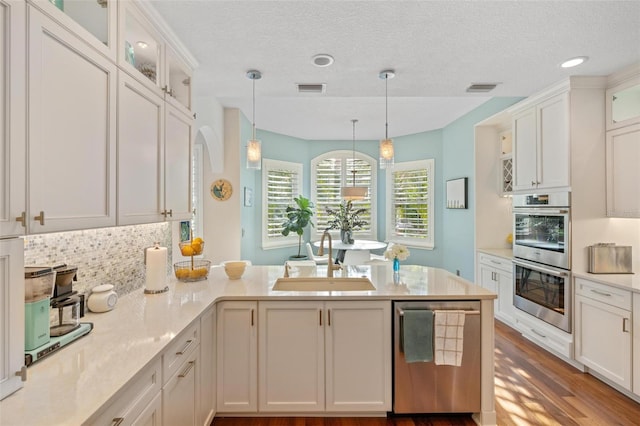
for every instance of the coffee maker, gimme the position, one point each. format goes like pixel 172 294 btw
pixel 52 310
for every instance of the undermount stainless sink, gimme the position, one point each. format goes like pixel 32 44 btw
pixel 323 284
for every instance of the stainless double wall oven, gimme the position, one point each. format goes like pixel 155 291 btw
pixel 542 256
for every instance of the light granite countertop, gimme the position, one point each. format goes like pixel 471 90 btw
pixel 630 282
pixel 72 384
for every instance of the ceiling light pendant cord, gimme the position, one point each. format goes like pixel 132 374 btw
pixel 386 106
pixel 254 109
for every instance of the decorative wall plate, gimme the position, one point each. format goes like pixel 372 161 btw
pixel 221 189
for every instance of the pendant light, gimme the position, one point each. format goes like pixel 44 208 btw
pixel 254 146
pixel 386 145
pixel 354 192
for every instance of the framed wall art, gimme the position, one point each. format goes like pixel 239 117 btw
pixel 457 193
pixel 248 197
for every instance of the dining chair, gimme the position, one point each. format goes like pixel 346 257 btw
pixel 318 259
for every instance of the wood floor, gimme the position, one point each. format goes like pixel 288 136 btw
pixel 532 387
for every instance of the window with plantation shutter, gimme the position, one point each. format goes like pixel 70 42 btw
pixel 281 183
pixel 410 194
pixel 331 171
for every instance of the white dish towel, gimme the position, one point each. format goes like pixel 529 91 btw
pixel 448 337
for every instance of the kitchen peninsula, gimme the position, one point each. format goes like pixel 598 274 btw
pixel 86 382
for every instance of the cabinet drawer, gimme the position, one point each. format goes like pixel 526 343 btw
pixel 496 262
pixel 180 349
pixel 606 294
pixel 134 399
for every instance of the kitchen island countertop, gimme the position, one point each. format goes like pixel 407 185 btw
pixel 72 384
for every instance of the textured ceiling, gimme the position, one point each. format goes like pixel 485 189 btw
pixel 437 49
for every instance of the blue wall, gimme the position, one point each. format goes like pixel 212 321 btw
pixel 452 148
pixel 458 148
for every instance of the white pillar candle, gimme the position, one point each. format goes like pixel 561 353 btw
pixel 156 274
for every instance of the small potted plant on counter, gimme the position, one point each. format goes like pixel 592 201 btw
pixel 347 220
pixel 298 218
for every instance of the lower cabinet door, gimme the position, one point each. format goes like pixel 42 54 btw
pixel 603 339
pixel 291 356
pixel 181 394
pixel 152 414
pixel 358 356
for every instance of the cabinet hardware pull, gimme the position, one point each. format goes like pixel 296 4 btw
pixel 320 316
pixel 170 212
pixel 539 334
pixel 601 293
pixel 22 219
pixel 183 350
pixel 533 183
pixel 329 317
pixel 117 421
pixel 251 317
pixel 40 218
pixel 624 325
pixel 22 373
pixel 186 371
pixel 495 261
pixel 165 89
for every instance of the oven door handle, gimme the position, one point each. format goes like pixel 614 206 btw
pixel 540 268
pixel 539 211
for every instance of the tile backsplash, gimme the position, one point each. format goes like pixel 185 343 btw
pixel 103 256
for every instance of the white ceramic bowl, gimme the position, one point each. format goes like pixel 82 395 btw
pixel 234 269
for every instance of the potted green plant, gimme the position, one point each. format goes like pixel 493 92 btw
pixel 298 218
pixel 346 219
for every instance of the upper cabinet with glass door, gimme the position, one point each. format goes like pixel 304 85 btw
pixel 94 21
pixel 150 59
pixel 623 104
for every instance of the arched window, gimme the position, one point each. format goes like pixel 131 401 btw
pixel 333 170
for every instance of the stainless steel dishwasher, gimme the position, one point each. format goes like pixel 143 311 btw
pixel 424 387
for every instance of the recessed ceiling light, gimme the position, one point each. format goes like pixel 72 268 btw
pixel 322 60
pixel 142 44
pixel 573 62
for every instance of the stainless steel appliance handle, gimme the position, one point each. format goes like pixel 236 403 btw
pixel 539 211
pixel 466 312
pixel 541 268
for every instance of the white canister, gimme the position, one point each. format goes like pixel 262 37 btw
pixel 102 298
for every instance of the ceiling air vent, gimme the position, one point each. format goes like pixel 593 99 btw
pixel 481 87
pixel 311 88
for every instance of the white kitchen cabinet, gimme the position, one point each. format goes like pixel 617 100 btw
pixel 148 57
pixel 11 316
pixel 603 330
pixel 237 357
pixel 636 344
pixel 207 367
pixel 291 356
pixel 139 403
pixel 13 162
pixel 72 131
pixel 140 153
pixel 542 145
pixel 358 356
pixel 178 149
pixel 154 157
pixel 623 173
pixel 181 393
pixel 94 22
pixel 623 99
pixel 325 356
pixel 496 274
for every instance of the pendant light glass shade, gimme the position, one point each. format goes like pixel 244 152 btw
pixel 354 192
pixel 254 146
pixel 386 145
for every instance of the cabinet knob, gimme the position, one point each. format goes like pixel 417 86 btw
pixel 22 219
pixel 22 373
pixel 533 183
pixel 40 218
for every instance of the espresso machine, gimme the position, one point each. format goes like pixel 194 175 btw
pixel 52 310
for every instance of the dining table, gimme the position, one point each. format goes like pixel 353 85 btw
pixel 353 254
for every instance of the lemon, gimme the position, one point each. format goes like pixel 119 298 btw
pixel 182 273
pixel 197 247
pixel 187 250
pixel 198 240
